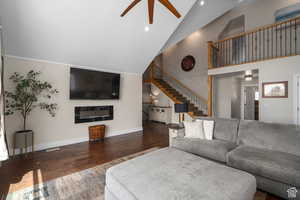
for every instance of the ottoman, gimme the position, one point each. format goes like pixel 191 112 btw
pixel 171 174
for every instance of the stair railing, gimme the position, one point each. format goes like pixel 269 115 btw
pixel 268 42
pixel 198 101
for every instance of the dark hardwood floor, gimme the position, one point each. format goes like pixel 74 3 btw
pixel 21 172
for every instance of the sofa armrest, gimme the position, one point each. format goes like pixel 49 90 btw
pixel 175 134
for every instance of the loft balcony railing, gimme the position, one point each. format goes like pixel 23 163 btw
pixel 269 42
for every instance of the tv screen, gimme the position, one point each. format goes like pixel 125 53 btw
pixel 88 84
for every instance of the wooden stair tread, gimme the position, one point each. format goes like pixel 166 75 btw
pixel 177 97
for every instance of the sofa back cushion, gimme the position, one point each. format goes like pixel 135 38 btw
pixel 278 137
pixel 225 129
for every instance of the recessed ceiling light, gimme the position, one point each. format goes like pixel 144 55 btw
pixel 202 2
pixel 147 28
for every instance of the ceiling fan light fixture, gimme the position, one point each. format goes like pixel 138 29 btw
pixel 202 2
pixel 165 3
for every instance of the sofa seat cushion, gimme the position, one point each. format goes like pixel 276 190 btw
pixel 171 174
pixel 212 149
pixel 275 165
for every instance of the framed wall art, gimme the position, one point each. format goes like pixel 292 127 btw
pixel 275 89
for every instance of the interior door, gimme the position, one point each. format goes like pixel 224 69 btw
pixel 249 102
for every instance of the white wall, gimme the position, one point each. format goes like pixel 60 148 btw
pixel 223 87
pixel 61 130
pixel 259 13
pixel 279 110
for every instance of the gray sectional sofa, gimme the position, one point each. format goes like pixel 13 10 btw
pixel 270 152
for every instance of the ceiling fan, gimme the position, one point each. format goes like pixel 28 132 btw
pixel 166 3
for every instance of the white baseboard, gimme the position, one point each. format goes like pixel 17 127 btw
pixel 122 132
pixel 43 146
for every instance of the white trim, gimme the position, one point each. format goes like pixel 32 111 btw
pixel 44 146
pixel 296 98
pixel 122 132
pixel 70 65
pixel 232 69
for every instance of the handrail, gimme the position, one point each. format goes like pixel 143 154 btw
pixel 158 73
pixel 184 86
pixel 258 29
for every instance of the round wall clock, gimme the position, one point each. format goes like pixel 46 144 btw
pixel 188 63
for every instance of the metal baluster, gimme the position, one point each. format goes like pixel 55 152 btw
pixel 217 55
pixel 260 46
pixel 248 47
pixel 272 32
pixel 268 43
pixel 221 54
pixel 290 29
pixel 276 42
pixel 285 24
pixel 264 44
pixel 231 51
pixel 252 48
pixel 296 50
pixel 239 61
pixel 256 49
pixel 241 49
pixel 228 55
pixel 280 39
pixel 225 53
pixel 224 50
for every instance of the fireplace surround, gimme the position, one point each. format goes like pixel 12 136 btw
pixel 85 114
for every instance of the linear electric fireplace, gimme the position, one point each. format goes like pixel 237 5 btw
pixel 93 113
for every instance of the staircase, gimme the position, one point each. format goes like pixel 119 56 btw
pixel 177 91
pixel 177 97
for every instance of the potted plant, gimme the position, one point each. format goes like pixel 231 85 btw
pixel 29 93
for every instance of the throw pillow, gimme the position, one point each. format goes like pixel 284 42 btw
pixel 208 127
pixel 194 130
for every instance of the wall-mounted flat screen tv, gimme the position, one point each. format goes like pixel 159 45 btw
pixel 89 84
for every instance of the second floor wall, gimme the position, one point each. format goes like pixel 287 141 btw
pixel 256 14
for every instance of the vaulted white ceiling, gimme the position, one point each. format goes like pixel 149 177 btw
pixel 199 16
pixel 89 32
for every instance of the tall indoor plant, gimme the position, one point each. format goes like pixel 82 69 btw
pixel 29 93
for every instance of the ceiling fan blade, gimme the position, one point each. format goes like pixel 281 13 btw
pixel 170 7
pixel 130 7
pixel 151 10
